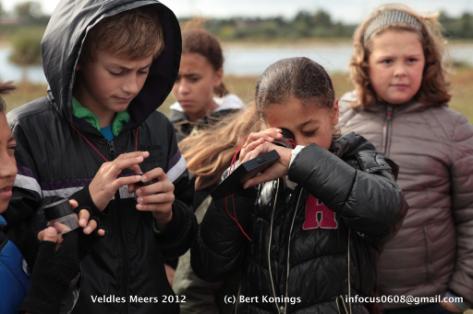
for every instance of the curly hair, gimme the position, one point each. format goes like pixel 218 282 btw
pixel 434 88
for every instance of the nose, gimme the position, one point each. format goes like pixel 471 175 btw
pixel 183 87
pixel 132 84
pixel 7 166
pixel 400 69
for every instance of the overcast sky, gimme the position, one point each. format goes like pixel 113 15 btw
pixel 342 10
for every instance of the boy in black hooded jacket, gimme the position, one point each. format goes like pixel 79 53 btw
pixel 97 136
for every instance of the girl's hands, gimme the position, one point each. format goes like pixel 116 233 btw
pixel 259 143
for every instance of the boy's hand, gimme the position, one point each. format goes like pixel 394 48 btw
pixel 107 181
pixel 157 197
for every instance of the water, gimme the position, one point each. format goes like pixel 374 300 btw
pixel 12 72
pixel 251 60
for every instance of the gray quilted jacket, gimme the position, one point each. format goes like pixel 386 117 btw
pixel 433 251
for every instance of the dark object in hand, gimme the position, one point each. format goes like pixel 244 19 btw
pixel 245 171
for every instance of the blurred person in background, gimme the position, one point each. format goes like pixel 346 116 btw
pixel 201 95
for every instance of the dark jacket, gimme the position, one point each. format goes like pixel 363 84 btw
pixel 433 250
pixel 14 280
pixel 305 242
pixel 56 157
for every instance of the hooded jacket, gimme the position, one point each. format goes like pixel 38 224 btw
pixel 433 146
pixel 342 209
pixel 59 154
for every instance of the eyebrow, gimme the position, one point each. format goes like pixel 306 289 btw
pixel 129 69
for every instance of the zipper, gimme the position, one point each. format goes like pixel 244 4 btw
pixel 286 293
pixel 388 130
pixel 124 275
pixel 111 149
pixel 271 279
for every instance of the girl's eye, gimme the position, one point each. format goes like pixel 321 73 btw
pixel 309 133
pixel 411 60
pixel 386 61
pixel 193 79
pixel 11 149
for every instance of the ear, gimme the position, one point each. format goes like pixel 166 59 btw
pixel 218 77
pixel 335 112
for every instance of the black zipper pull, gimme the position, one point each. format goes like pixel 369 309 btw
pixel 111 148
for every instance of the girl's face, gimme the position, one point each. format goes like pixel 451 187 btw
pixel 7 163
pixel 396 65
pixel 194 87
pixel 310 123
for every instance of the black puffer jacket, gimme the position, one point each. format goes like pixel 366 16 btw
pixel 56 158
pixel 306 243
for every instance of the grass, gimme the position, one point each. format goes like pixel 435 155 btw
pixel 244 86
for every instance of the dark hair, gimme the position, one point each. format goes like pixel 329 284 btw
pixel 134 34
pixel 205 44
pixel 5 88
pixel 294 77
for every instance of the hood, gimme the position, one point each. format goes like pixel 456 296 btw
pixel 64 37
pixel 227 102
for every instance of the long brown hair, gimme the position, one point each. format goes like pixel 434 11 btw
pixel 434 87
pixel 209 152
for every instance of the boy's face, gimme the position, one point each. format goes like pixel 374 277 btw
pixel 7 163
pixel 109 83
pixel 310 123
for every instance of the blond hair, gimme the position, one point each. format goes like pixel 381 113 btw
pixel 434 88
pixel 209 152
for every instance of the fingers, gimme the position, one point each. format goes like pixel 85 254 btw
pixel 160 198
pixel 84 217
pixel 73 203
pixel 144 154
pixel 156 173
pixel 114 168
pixel 49 234
pixel 91 226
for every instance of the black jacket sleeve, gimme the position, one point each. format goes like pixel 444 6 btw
pixel 53 271
pixel 178 235
pixel 363 193
pixel 221 246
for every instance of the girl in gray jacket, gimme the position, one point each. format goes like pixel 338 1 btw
pixel 400 104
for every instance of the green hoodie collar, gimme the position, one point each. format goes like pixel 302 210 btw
pixel 81 112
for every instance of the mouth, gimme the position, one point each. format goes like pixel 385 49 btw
pixel 124 99
pixel 6 192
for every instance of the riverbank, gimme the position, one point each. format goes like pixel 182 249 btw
pixel 244 86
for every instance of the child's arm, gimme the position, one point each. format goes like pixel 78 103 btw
pixel 221 246
pixel 369 201
pixel 176 237
pixel 461 170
